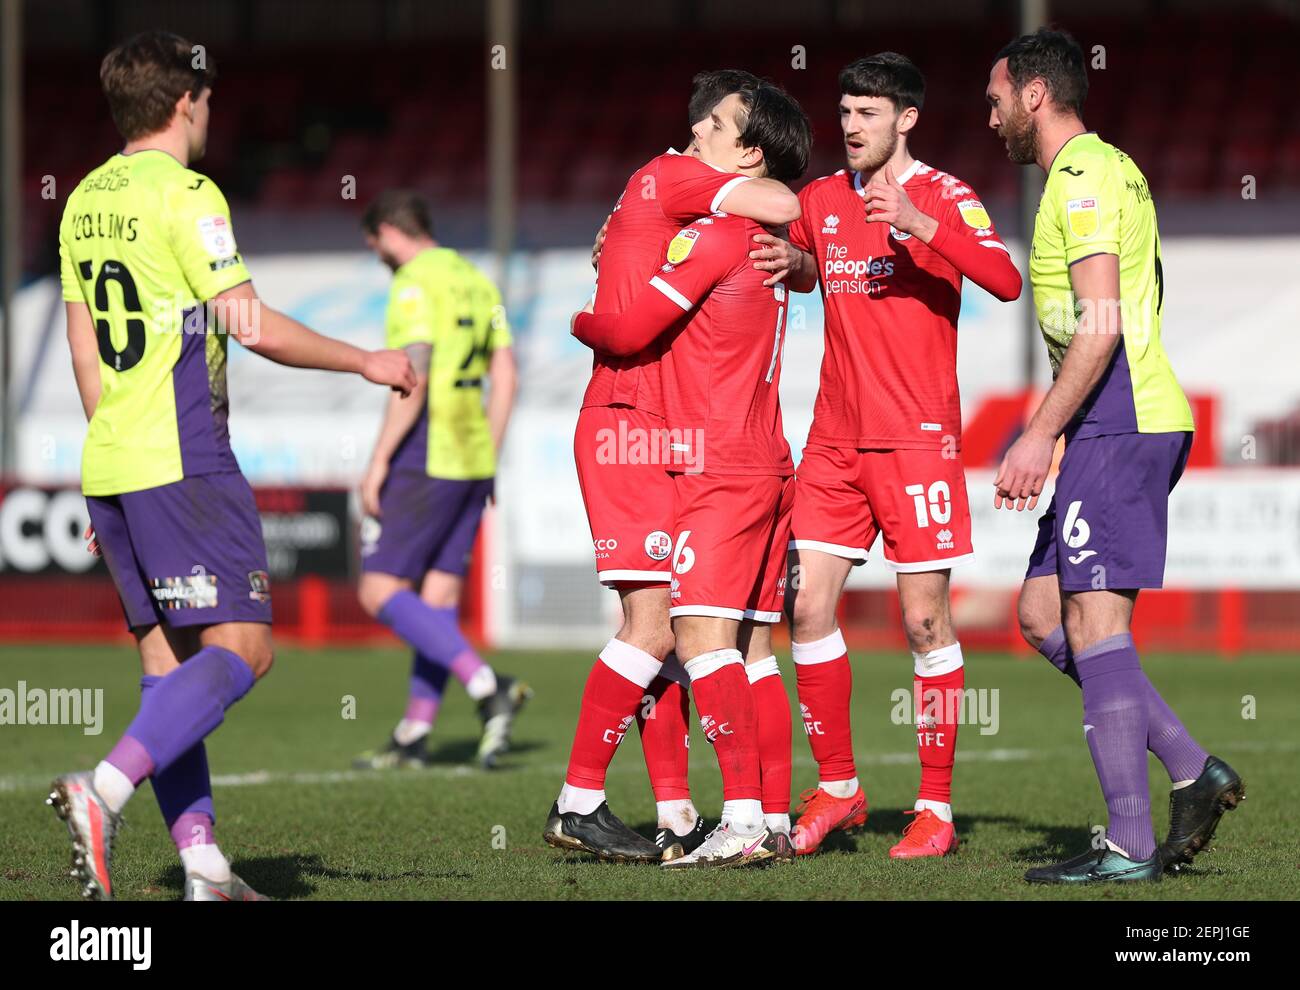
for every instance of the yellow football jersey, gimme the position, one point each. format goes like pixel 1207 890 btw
pixel 1097 201
pixel 439 298
pixel 144 242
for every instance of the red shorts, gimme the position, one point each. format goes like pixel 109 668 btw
pixel 730 545
pixel 916 499
pixel 627 491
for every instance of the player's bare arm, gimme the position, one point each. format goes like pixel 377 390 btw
pixel 85 369
pixel 764 201
pixel 650 314
pixel 400 415
pixel 886 201
pixel 282 339
pixel 1095 282
pixel 787 263
pixel 503 380
pixel 85 355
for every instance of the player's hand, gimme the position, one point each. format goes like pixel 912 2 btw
pixel 92 545
pixel 600 243
pixel 376 475
pixel 888 202
pixel 589 308
pixel 391 368
pixel 1023 472
pixel 776 255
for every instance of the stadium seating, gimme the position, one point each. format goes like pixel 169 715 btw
pixel 284 132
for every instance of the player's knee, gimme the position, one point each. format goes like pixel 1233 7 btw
pixel 811 617
pixel 373 595
pixel 651 637
pixel 440 597
pixel 927 628
pixel 1036 623
pixel 260 659
pixel 926 618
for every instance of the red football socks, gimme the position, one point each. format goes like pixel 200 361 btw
pixel 774 734
pixel 825 682
pixel 937 699
pixel 729 721
pixel 610 701
pixel 665 735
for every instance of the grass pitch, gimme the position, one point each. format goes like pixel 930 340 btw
pixel 298 824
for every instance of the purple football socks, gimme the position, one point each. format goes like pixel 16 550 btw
pixel 184 790
pixel 434 633
pixel 180 710
pixel 1115 725
pixel 1057 651
pixel 428 680
pixel 1167 737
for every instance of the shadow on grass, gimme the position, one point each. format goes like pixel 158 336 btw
pixel 293 877
pixel 466 750
pixel 1055 842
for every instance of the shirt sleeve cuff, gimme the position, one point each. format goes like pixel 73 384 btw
pixel 940 237
pixel 726 188
pixel 1079 252
pixel 672 294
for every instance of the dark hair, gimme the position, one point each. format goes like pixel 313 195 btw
pixel 772 120
pixel 1054 57
pixel 886 74
pixel 144 77
pixel 707 88
pixel 406 210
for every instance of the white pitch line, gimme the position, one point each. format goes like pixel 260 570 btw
pixel 258 778
pixel 31 782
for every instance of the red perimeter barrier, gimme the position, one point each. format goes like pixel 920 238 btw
pixel 309 611
pixel 1227 622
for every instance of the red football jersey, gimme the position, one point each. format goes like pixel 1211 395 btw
pixel 722 370
pixel 889 374
pixel 665 193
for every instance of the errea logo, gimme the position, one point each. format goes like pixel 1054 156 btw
pixel 615 736
pixel 831 225
pixel 944 539
pixel 811 726
pixel 712 728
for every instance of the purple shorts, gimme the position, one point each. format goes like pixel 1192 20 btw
pixel 1108 524
pixel 189 553
pixel 428 524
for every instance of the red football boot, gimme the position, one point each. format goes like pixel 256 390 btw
pixel 926 835
pixel 821 814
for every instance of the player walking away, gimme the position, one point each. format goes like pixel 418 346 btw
pixel 431 474
pixel 1098 291
pixel 731 473
pixel 629 500
pixel 153 284
pixel 890 240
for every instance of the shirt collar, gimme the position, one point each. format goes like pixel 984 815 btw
pixel 903 179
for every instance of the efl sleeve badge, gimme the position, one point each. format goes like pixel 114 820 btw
pixel 1084 217
pixel 681 245
pixel 973 212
